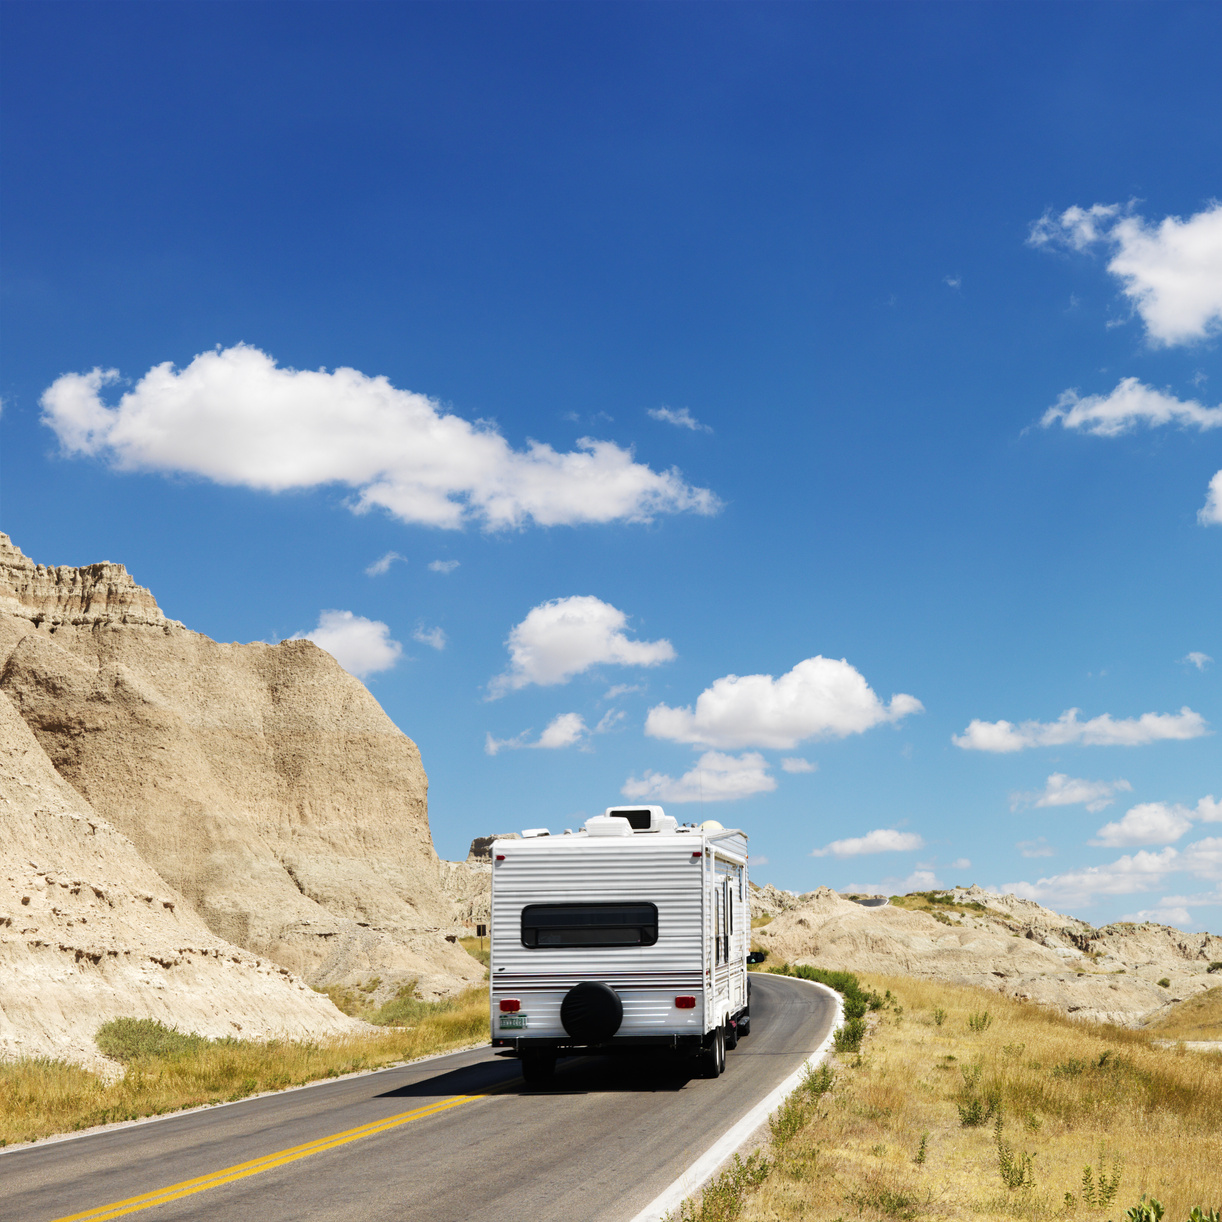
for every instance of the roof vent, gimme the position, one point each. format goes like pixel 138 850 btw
pixel 643 818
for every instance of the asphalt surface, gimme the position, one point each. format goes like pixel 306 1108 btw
pixel 598 1144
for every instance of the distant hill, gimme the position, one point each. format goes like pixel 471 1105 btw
pixel 972 936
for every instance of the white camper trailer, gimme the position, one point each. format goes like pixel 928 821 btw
pixel 628 934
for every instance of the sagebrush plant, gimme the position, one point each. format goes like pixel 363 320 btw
pixel 167 1070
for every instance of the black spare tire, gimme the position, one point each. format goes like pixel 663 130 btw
pixel 591 1012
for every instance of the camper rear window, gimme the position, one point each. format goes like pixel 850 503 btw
pixel 559 925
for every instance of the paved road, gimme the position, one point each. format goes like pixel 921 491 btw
pixel 874 901
pixel 457 1138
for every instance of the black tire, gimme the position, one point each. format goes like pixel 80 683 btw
pixel 538 1067
pixel 712 1059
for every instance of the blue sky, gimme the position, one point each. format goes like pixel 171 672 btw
pixel 729 385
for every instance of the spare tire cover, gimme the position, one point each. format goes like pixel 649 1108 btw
pixel 591 1012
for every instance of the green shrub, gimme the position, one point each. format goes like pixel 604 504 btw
pixel 1216 966
pixel 1145 1212
pixel 1164 983
pixel 135 1039
pixel 979 1022
pixel 848 1038
pixel 723 1200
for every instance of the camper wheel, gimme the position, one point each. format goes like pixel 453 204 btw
pixel 538 1066
pixel 713 1058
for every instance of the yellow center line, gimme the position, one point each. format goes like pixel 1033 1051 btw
pixel 241 1170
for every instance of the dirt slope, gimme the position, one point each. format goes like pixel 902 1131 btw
pixel 261 782
pixel 89 931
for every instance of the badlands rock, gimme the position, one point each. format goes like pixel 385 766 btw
pixel 1016 947
pixel 263 783
pixel 89 931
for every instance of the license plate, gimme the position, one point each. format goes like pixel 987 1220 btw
pixel 512 1021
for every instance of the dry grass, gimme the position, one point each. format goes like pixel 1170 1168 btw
pixel 42 1097
pixel 1197 1018
pixel 479 949
pixel 888 1140
pixel 939 903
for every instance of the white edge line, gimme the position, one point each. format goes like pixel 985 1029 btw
pixel 701 1171
pixel 116 1125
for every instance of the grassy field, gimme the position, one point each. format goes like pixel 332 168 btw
pixel 965 1105
pixel 1197 1018
pixel 166 1071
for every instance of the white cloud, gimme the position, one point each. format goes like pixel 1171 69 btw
pixel 1131 873
pixel 820 697
pixel 1204 858
pixel 881 840
pixel 383 563
pixel 1196 658
pixel 562 731
pixel 1160 915
pixel 562 638
pixel 442 566
pixel 434 637
pixel 622 689
pixel 1171 271
pixel 715 778
pixel 1062 790
pixel 953 282
pixel 1208 810
pixel 798 765
pixel 918 880
pixel 1038 847
pixel 681 417
pixel 610 720
pixel 1146 823
pixel 1132 403
pixel 235 417
pixel 1104 731
pixel 960 863
pixel 1210 514
pixel 361 646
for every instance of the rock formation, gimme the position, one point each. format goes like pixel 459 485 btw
pixel 1009 944
pixel 261 783
pixel 89 931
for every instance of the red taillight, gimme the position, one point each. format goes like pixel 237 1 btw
pixel 697 853
pixel 510 1005
pixel 500 857
pixel 681 1003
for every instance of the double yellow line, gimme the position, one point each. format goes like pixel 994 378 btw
pixel 240 1171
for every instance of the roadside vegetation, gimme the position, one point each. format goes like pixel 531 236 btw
pixel 960 1104
pixel 166 1070
pixel 1196 1018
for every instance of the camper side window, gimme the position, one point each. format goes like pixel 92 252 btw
pixel 559 925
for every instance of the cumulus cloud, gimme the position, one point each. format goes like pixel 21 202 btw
pixel 1062 790
pixel 960 863
pixel 797 765
pixel 1127 875
pixel 435 638
pixel 1067 730
pixel 1131 873
pixel 1146 823
pixel 881 840
pixel 715 778
pixel 1161 915
pixel 383 563
pixel 1210 514
pixel 442 566
pixel 1131 404
pixel 1196 658
pixel 564 637
pixel 681 417
pixel 562 731
pixel 819 698
pixel 1171 270
pixel 361 646
pixel 235 417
